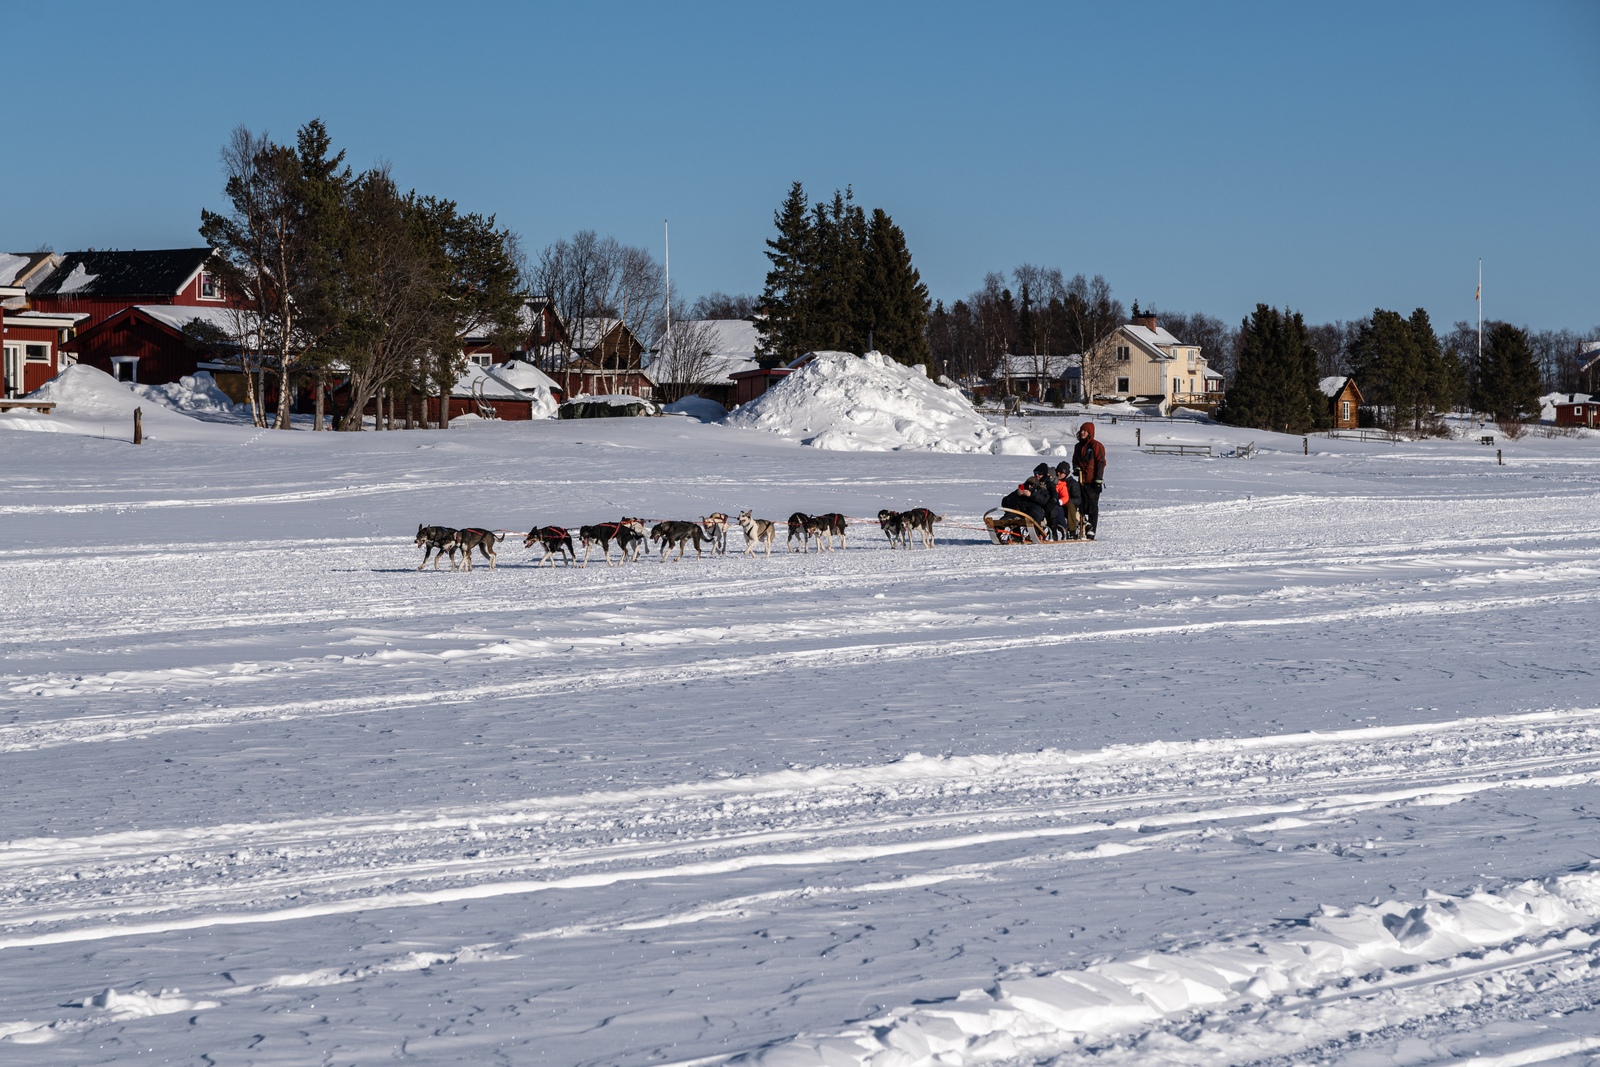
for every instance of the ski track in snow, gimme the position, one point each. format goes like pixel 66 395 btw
pixel 830 900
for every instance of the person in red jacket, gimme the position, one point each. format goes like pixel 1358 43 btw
pixel 1089 460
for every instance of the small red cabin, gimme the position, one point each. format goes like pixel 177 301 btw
pixel 1577 412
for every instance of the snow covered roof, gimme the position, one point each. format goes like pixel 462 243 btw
pixel 153 272
pixel 587 333
pixel 1332 386
pixel 476 382
pixel 47 318
pixel 809 356
pixel 730 348
pixel 178 316
pixel 24 268
pixel 1159 337
pixel 523 375
pixel 1024 366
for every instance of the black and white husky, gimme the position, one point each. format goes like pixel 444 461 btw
pixel 920 521
pixel 716 527
pixel 894 528
pixel 555 540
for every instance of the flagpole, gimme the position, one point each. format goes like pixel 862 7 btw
pixel 1480 313
pixel 666 234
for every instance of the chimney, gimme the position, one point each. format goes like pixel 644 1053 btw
pixel 1147 321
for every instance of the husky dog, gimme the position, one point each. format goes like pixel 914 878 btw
pixel 826 527
pixel 436 540
pixel 471 537
pixel 678 535
pixel 920 521
pixel 799 531
pixel 602 534
pixel 555 540
pixel 716 527
pixel 631 538
pixel 757 532
pixel 894 527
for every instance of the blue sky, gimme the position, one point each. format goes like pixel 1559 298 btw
pixel 1330 158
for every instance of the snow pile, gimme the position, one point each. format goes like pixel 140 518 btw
pixel 1029 1016
pixel 698 407
pixel 533 381
pixel 197 394
pixel 84 392
pixel 141 1005
pixel 872 404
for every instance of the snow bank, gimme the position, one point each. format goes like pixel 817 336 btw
pixel 871 404
pixel 189 394
pixel 82 392
pixel 698 407
pixel 1028 1016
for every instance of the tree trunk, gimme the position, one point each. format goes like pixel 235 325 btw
pixel 251 395
pixel 390 393
pixel 284 396
pixel 319 387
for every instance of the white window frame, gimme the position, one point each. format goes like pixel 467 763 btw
pixel 15 358
pixel 482 359
pixel 29 346
pixel 131 362
pixel 200 286
pixel 1344 411
pixel 1124 353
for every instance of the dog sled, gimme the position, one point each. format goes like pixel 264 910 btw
pixel 1008 527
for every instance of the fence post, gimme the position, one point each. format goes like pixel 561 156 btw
pixel 1138 437
pixel 1498 461
pixel 138 426
pixel 1305 445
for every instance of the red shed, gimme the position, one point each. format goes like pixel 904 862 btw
pixel 1575 412
pixel 33 343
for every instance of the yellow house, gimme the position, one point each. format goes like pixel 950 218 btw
pixel 1142 361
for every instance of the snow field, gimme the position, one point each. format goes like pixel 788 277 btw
pixel 1321 726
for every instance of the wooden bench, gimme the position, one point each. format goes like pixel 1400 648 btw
pixel 44 407
pixel 1177 450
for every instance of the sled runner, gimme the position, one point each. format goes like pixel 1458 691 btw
pixel 1007 527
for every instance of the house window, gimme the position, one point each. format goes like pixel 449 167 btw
pixel 482 359
pixel 125 368
pixel 210 286
pixel 1122 385
pixel 38 353
pixel 1124 353
pixel 1344 411
pixel 1191 385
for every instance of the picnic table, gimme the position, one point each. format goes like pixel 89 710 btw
pixel 44 407
pixel 1168 449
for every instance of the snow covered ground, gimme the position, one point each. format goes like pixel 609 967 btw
pixel 1298 764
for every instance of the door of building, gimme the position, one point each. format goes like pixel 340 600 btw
pixel 13 370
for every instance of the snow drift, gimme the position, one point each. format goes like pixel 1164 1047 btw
pixel 522 375
pixel 872 404
pixel 198 395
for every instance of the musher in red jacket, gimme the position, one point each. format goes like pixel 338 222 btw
pixel 1089 460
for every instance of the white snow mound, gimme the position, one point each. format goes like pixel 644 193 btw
pixel 85 392
pixel 198 393
pixel 871 404
pixel 533 381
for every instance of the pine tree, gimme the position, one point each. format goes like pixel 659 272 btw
pixel 786 304
pixel 894 294
pixel 1388 364
pixel 1275 383
pixel 1439 374
pixel 1508 377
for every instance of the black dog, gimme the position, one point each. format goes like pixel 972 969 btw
pixel 555 540
pixel 678 534
pixel 920 521
pixel 632 539
pixel 799 529
pixel 894 527
pixel 436 540
pixel 826 527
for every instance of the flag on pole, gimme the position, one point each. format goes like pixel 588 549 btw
pixel 1478 293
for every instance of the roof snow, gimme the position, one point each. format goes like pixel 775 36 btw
pixel 1019 366
pixel 1331 386
pixel 729 347
pixel 1156 338
pixel 178 316
pixel 78 279
pixel 476 382
pixel 11 265
pixel 523 375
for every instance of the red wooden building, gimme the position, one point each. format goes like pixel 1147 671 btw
pixel 146 343
pixel 100 284
pixel 1577 412
pixel 33 343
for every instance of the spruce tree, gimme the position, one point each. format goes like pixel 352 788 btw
pixel 894 293
pixel 1275 381
pixel 787 302
pixel 1388 366
pixel 1508 378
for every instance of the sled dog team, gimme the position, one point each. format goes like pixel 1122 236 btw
pixel 633 538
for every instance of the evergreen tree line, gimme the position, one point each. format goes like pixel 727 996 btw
pixel 343 275
pixel 841 279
